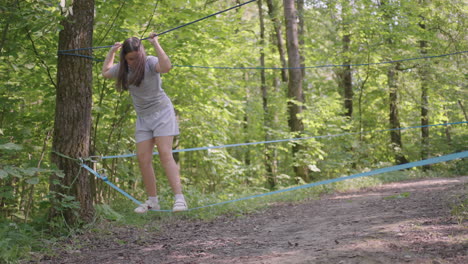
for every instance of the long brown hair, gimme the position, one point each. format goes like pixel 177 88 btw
pixel 138 70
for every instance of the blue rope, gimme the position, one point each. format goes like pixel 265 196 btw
pixel 286 68
pixel 104 178
pixel 64 52
pixel 420 163
pixel 285 140
pixel 321 66
pixel 217 13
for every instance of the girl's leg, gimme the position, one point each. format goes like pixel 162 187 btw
pixel 164 145
pixel 145 161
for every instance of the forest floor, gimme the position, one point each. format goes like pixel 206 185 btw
pixel 403 222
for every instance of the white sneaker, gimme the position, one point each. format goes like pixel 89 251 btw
pixel 144 207
pixel 179 206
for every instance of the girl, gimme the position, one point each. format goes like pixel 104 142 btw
pixel 156 121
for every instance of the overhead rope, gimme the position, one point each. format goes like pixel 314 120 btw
pixel 454 156
pixel 104 179
pixel 280 140
pixel 305 67
pixel 320 66
pixel 66 52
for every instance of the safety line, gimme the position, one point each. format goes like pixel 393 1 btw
pixel 217 13
pixel 104 179
pixel 283 140
pixel 64 52
pixel 420 163
pixel 287 68
pixel 320 66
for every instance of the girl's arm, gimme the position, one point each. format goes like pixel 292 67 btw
pixel 164 65
pixel 109 61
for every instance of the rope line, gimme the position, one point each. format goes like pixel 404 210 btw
pixel 104 179
pixel 321 66
pixel 65 52
pixel 282 140
pixel 287 68
pixel 420 163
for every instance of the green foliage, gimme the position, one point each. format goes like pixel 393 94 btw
pixel 16 241
pixel 106 212
pixel 219 106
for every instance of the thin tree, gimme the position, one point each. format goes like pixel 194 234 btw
pixel 392 81
pixel 273 13
pixel 72 127
pixel 301 31
pixel 295 93
pixel 424 77
pixel 269 158
pixel 344 74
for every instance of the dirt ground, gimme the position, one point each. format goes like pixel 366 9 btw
pixel 405 222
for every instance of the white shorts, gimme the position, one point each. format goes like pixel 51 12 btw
pixel 159 124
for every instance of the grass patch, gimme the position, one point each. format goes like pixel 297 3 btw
pixel 460 210
pixel 398 196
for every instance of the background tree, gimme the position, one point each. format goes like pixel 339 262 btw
pixel 295 93
pixel 424 79
pixel 391 18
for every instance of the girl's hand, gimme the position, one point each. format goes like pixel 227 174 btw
pixel 153 38
pixel 116 47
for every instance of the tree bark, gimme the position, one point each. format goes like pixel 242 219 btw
pixel 295 92
pixel 463 109
pixel 394 117
pixel 423 75
pixel 392 81
pixel 344 73
pixel 345 76
pixel 269 159
pixel 273 13
pixel 72 127
pixel 301 32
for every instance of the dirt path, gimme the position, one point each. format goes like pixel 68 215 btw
pixel 406 222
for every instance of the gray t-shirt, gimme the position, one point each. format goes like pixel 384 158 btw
pixel 149 97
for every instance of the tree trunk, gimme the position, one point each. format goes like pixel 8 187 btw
pixel 301 32
pixel 273 13
pixel 270 177
pixel 295 93
pixel 347 78
pixel 423 75
pixel 344 74
pixel 392 81
pixel 394 117
pixel 463 109
pixel 72 127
